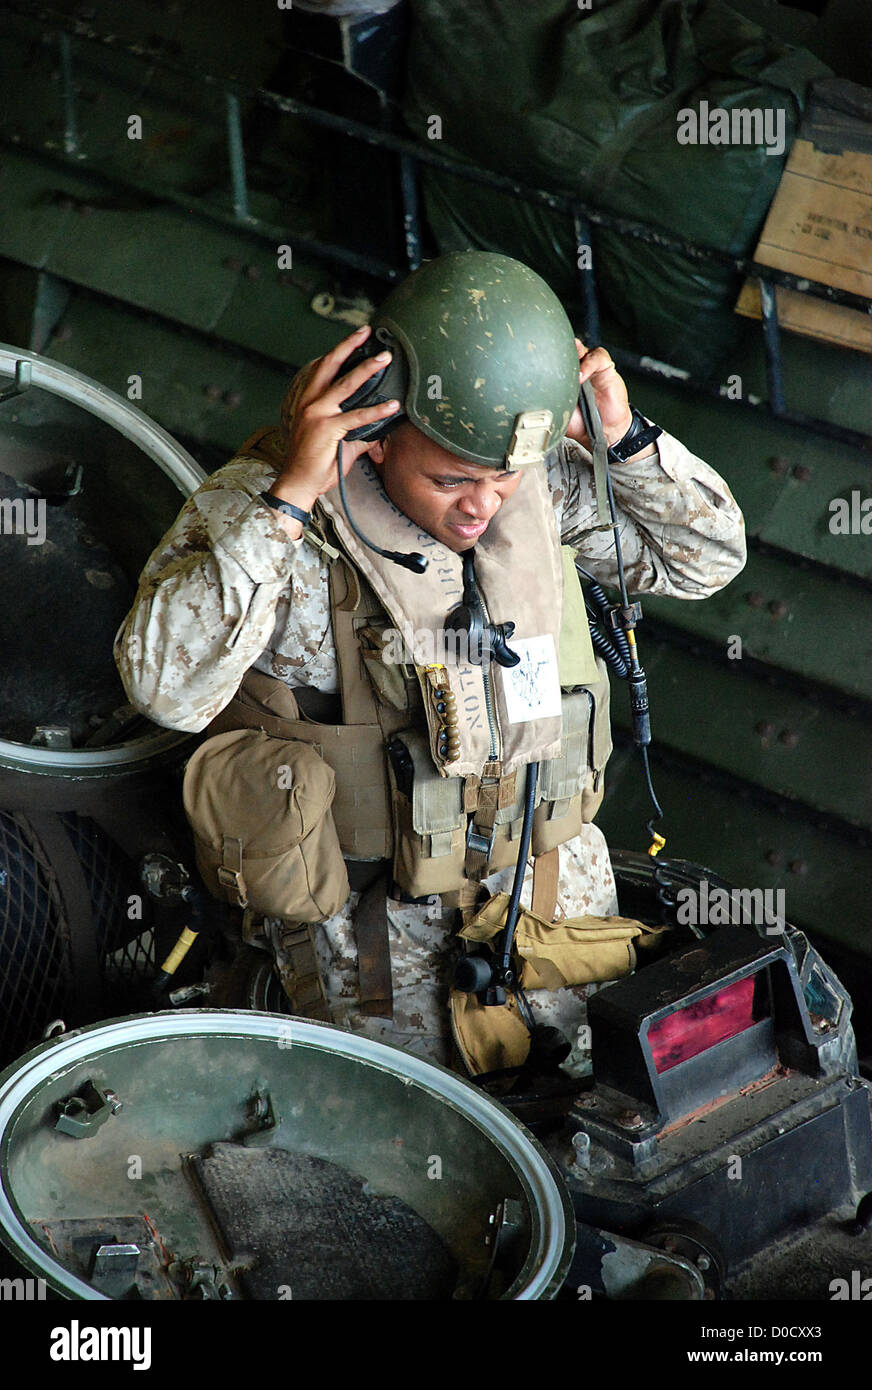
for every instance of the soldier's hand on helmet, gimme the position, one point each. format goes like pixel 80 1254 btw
pixel 319 423
pixel 612 401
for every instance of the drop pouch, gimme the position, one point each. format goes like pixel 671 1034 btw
pixel 552 955
pixel 264 835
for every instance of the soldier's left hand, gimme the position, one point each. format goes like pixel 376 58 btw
pixel 612 401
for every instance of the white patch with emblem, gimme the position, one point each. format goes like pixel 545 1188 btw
pixel 532 688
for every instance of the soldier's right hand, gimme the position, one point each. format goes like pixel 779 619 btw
pixel 319 424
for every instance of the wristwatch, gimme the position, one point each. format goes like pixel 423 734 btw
pixel 287 507
pixel 640 434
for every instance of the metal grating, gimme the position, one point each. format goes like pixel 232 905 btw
pixel 35 964
pixel 125 944
pixel 37 980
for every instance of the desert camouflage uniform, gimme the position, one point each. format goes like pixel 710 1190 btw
pixel 227 589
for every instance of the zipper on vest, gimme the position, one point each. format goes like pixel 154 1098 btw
pixel 491 718
pixel 474 599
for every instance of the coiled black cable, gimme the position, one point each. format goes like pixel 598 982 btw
pixel 603 647
pixel 612 647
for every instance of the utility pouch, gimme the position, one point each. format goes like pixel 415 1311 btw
pixel 558 817
pixel 394 683
pixel 433 816
pixel 576 951
pixel 428 817
pixel 489 1037
pixel 355 753
pixel 264 835
pixel 571 786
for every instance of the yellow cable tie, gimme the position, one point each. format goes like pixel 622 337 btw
pixel 656 844
pixel 179 951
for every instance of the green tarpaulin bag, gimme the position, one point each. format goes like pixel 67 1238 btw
pixel 586 102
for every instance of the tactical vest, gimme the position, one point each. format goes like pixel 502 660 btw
pixel 397 795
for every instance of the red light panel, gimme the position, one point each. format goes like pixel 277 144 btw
pixel 697 1027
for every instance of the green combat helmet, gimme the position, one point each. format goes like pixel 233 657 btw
pixel 493 366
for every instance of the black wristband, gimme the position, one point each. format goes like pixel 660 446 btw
pixel 638 436
pixel 287 507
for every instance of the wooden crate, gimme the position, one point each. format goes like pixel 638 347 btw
pixel 820 226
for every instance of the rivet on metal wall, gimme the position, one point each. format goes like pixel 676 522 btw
pixel 798 866
pixel 214 393
pixel 802 473
pixel 778 464
pixel 774 857
pixel 755 599
pixel 778 608
pixel 764 728
pixel 788 738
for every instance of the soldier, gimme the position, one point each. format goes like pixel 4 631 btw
pixel 266 609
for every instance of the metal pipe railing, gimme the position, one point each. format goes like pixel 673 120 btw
pixel 411 155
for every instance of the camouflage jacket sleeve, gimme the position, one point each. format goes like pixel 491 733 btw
pixel 206 604
pixel 681 531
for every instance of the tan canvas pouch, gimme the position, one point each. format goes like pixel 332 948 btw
pixel 264 835
pixel 430 828
pixel 488 1037
pixel 355 752
pixel 579 950
pixel 576 951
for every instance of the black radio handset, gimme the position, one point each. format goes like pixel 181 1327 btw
pixel 485 640
pixel 390 384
